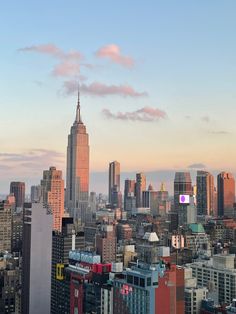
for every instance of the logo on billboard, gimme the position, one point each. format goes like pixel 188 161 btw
pixel 184 199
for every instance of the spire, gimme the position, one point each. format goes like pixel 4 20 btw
pixel 78 116
pixel 163 187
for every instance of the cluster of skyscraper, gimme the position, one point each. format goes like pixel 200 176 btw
pixel 71 251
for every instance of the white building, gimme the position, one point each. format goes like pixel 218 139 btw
pixel 37 252
pixel 193 294
pixel 220 272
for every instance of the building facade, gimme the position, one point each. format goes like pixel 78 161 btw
pixel 18 189
pixel 77 173
pixel 36 259
pixel 205 193
pixel 53 194
pixel 225 194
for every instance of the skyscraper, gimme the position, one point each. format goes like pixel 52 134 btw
pixel 6 210
pixel 37 254
pixel 182 186
pixel 35 193
pixel 53 194
pixel 129 192
pixel 225 194
pixel 140 186
pixel 18 189
pixel 114 179
pixel 77 177
pixel 205 193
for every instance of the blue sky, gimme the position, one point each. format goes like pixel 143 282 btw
pixel 184 60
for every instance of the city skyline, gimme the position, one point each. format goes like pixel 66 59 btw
pixel 169 88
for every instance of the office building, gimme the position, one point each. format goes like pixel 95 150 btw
pixel 35 193
pixel 81 283
pixel 129 193
pixel 140 186
pixel 150 200
pixel 205 193
pixel 17 233
pixel 37 255
pixel 18 190
pixel 53 194
pixel 182 186
pixel 225 194
pixel 114 182
pixel 9 284
pixel 6 212
pixel 220 272
pixel 149 289
pixel 106 244
pixel 193 294
pixel 77 173
pixel 62 243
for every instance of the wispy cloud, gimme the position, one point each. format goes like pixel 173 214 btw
pixel 113 53
pixel 32 160
pixel 146 114
pixel 69 61
pixel 197 166
pixel 54 51
pixel 100 89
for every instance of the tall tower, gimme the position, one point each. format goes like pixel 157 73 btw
pixel 205 193
pixel 77 177
pixel 52 186
pixel 225 194
pixel 182 185
pixel 114 179
pixel 140 186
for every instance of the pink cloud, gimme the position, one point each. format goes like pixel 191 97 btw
pixel 146 114
pixel 113 53
pixel 49 49
pixel 69 62
pixel 66 68
pixel 54 51
pixel 100 89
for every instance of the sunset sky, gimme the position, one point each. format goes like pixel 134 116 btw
pixel 157 81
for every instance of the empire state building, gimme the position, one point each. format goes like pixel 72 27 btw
pixel 77 177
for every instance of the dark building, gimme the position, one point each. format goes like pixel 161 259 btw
pixel 182 186
pixel 9 285
pixel 129 191
pixel 81 283
pixel 17 233
pixel 114 179
pixel 140 186
pixel 18 189
pixel 225 194
pixel 62 243
pixel 205 193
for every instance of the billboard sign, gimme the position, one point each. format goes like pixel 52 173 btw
pixel 184 199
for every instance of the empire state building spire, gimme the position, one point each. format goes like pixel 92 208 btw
pixel 78 115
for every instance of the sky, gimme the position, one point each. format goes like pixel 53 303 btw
pixel 157 85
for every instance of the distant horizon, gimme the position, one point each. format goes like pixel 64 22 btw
pixel 99 179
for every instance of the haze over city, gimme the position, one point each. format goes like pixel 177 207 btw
pixel 156 80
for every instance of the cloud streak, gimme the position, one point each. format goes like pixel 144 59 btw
pixel 69 62
pixel 113 53
pixel 145 114
pixel 34 160
pixel 102 90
